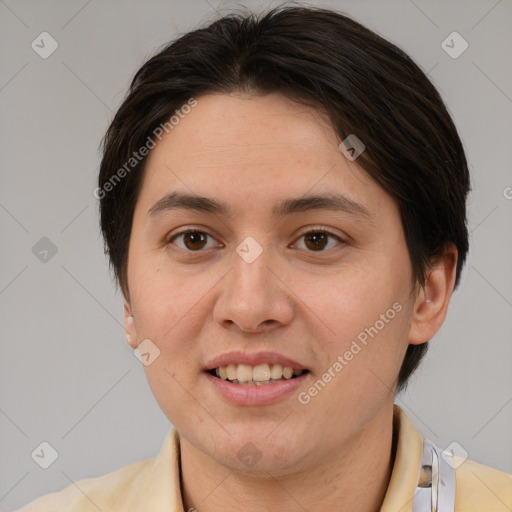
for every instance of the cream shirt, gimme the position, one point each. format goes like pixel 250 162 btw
pixel 153 485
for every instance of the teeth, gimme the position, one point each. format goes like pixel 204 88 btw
pixel 261 373
pixel 258 375
pixel 287 372
pixel 231 371
pixel 244 373
pixel 277 371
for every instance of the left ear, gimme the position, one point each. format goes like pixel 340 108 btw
pixel 129 325
pixel 431 304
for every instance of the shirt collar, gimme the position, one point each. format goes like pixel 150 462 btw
pixel 406 468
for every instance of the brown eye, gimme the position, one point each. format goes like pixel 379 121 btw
pixel 318 241
pixel 192 240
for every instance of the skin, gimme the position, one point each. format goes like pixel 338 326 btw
pixel 251 152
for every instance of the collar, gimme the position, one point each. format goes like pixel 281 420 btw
pixel 407 465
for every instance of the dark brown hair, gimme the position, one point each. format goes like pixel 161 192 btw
pixel 366 86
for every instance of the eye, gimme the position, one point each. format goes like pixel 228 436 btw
pixel 318 240
pixel 193 240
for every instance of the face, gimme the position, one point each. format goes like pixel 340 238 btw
pixel 257 246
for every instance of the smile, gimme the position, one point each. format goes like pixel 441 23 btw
pixel 259 375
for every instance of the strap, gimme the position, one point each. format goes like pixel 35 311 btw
pixel 437 484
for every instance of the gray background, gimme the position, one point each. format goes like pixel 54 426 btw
pixel 67 375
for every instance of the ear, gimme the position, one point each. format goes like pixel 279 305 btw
pixel 431 304
pixel 129 325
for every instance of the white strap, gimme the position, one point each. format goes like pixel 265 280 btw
pixel 437 484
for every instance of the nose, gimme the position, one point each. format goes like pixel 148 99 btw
pixel 254 297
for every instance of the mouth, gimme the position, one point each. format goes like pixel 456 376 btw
pixel 255 379
pixel 259 375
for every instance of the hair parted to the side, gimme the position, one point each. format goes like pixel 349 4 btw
pixel 364 84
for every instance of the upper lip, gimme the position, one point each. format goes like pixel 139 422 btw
pixel 252 359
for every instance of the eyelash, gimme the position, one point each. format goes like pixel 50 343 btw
pixel 311 231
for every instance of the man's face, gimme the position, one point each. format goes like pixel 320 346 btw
pixel 272 279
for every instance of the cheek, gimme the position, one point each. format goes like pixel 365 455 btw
pixel 170 311
pixel 348 302
pixel 160 298
pixel 171 308
pixel 365 315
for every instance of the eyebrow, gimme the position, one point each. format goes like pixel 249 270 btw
pixel 328 201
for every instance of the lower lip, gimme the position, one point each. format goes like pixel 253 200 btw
pixel 241 394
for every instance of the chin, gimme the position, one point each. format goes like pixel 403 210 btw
pixel 255 455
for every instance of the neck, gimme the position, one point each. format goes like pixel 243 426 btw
pixel 353 478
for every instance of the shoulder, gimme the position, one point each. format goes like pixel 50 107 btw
pixel 142 486
pixel 481 487
pixel 90 494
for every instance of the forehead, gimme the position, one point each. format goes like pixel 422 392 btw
pixel 257 146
